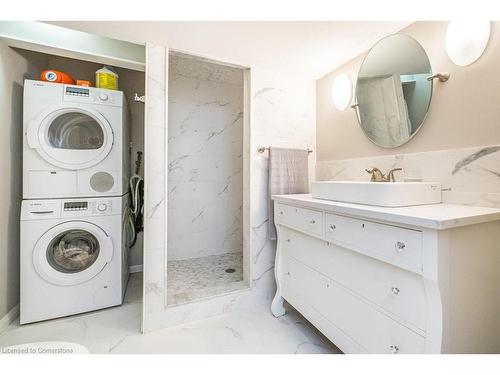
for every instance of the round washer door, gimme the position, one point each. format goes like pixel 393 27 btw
pixel 70 137
pixel 72 253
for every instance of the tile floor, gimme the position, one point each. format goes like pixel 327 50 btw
pixel 196 278
pixel 117 330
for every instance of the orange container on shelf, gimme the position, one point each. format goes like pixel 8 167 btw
pixel 56 76
pixel 82 82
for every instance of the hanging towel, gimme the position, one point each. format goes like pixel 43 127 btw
pixel 288 174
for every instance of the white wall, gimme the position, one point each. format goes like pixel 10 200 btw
pixel 13 69
pixel 464 111
pixel 458 143
pixel 205 159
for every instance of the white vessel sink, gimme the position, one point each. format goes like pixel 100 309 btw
pixel 385 194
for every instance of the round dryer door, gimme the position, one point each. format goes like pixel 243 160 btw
pixel 71 138
pixel 72 253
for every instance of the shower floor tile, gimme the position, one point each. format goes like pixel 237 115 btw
pixel 196 278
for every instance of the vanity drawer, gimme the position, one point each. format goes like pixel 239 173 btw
pixel 395 290
pixel 366 325
pixel 370 328
pixel 304 219
pixel 399 246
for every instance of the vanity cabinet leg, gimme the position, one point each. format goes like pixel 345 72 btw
pixel 277 307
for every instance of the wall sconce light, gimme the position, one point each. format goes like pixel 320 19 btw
pixel 466 41
pixel 342 91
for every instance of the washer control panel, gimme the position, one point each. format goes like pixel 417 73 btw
pixel 91 207
pixel 42 209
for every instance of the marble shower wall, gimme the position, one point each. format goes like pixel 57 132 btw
pixel 205 159
pixel 282 113
pixel 468 176
pixel 155 180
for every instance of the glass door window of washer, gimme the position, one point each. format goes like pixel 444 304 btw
pixel 72 253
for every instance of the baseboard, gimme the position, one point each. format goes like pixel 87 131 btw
pixel 135 269
pixel 9 318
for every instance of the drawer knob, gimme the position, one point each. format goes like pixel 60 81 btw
pixel 312 221
pixel 395 291
pixel 281 212
pixel 394 349
pixel 333 227
pixel 288 240
pixel 400 246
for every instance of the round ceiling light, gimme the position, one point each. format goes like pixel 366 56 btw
pixel 342 91
pixel 466 40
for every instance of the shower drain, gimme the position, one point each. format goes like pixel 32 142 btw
pixel 230 270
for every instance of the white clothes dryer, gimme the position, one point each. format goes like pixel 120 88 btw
pixel 76 141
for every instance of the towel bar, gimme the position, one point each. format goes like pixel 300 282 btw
pixel 261 149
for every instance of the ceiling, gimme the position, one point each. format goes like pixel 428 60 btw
pixel 308 48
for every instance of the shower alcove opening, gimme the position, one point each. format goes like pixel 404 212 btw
pixel 206 164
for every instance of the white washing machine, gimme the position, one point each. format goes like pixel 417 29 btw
pixel 73 256
pixel 76 141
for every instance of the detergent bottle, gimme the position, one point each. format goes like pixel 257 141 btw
pixel 105 78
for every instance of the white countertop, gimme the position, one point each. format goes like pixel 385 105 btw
pixel 434 216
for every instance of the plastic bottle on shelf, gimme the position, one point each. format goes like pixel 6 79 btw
pixel 106 78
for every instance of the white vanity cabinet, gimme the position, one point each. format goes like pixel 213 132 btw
pixel 422 279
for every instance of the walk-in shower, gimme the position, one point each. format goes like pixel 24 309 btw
pixel 205 179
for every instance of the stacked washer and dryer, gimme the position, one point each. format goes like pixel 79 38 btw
pixel 73 215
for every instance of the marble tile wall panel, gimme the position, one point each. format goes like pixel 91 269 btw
pixel 155 178
pixel 282 113
pixel 205 159
pixel 468 175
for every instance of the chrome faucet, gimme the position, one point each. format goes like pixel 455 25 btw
pixel 378 176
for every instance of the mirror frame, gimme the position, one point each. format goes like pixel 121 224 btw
pixel 356 106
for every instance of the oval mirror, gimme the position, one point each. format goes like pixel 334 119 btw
pixel 392 90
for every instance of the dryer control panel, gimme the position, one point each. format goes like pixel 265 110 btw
pixel 72 93
pixel 76 206
pixel 92 95
pixel 77 91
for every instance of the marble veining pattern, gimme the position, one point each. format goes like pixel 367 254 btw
pixel 205 150
pixel 195 278
pixel 282 114
pixel 117 330
pixel 182 65
pixel 154 177
pixel 469 176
